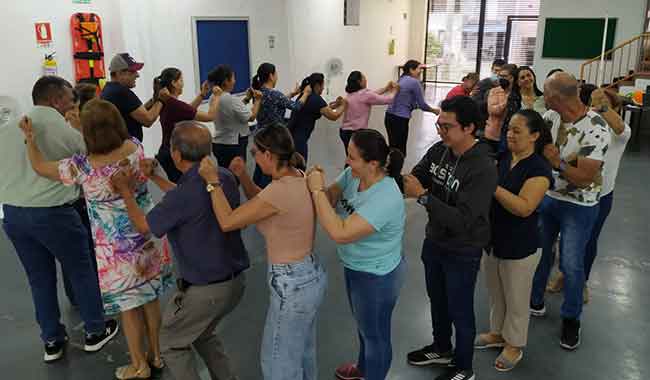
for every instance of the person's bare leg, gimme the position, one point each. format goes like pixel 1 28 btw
pixel 152 320
pixel 134 328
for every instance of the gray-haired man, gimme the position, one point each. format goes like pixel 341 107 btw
pixel 209 262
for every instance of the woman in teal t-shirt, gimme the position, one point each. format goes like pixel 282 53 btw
pixel 368 226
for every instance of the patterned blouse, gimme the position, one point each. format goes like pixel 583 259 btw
pixel 273 107
pixel 133 269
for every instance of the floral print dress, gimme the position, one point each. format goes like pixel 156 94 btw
pixel 133 269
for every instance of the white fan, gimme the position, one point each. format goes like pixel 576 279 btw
pixel 333 68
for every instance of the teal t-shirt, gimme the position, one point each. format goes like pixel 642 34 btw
pixel 382 206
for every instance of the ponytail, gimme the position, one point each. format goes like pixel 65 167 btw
pixel 167 77
pixel 264 72
pixel 354 82
pixel 297 161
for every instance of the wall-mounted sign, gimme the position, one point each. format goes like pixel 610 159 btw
pixel 43 33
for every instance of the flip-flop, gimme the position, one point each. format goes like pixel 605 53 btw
pixel 506 364
pixel 481 344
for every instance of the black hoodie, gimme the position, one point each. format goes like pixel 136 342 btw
pixel 460 194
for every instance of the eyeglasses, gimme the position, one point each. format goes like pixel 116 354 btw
pixel 444 127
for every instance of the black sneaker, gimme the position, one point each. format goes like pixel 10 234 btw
pixel 54 350
pixel 457 374
pixel 95 342
pixel 428 356
pixel 570 334
pixel 537 310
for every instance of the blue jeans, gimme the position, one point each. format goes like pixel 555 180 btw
pixel 40 235
pixel 80 207
pixel 289 342
pixel 574 223
pixel 604 208
pixel 372 299
pixel 451 279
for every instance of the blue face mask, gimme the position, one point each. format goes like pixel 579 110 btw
pixel 494 77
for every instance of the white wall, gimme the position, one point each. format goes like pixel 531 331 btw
pixel 630 14
pixel 418 30
pixel 317 33
pixel 21 61
pixel 161 36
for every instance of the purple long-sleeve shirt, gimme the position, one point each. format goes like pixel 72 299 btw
pixel 409 97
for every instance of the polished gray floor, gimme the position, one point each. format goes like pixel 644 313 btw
pixel 616 324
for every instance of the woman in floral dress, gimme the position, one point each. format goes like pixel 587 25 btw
pixel 133 269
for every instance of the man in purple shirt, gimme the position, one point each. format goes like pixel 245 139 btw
pixel 209 262
pixel 409 97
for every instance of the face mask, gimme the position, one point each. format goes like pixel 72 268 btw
pixel 494 77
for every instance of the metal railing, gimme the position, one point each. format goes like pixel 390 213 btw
pixel 621 63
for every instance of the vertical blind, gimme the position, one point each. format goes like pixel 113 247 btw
pixel 453 29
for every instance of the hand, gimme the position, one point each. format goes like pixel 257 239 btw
pixel 208 170
pixel 217 91
pixel 316 180
pixel 552 154
pixel 26 126
pixel 123 180
pixel 164 94
pixel 412 186
pixel 315 168
pixel 296 90
pixel 599 98
pixel 257 95
pixel 237 166
pixel 205 89
pixel 148 166
pixel 72 117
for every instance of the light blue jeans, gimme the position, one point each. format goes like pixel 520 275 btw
pixel 289 343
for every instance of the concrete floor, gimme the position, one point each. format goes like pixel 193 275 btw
pixel 616 324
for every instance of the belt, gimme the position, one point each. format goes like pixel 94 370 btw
pixel 183 284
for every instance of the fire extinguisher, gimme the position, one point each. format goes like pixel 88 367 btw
pixel 49 65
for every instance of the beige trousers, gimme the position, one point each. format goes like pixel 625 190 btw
pixel 509 285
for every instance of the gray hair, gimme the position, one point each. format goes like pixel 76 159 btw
pixel 562 85
pixel 192 140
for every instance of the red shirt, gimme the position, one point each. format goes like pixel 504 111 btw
pixel 457 91
pixel 173 112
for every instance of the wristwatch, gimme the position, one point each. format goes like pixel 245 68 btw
pixel 424 199
pixel 562 166
pixel 212 186
pixel 602 109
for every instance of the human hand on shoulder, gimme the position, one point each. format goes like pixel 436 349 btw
pixel 26 126
pixel 208 170
pixel 316 181
pixel 123 180
pixel 412 186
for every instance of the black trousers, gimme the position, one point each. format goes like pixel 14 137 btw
pixel 398 131
pixel 164 158
pixel 225 153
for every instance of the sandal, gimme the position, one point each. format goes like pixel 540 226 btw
pixel 480 343
pixel 128 372
pixel 503 364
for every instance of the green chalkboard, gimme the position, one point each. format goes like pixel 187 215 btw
pixel 577 38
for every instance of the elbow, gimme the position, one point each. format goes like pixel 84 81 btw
pixel 340 237
pixel 524 213
pixel 228 226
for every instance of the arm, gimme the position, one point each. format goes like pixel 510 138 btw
pixel 421 170
pixel 581 175
pixel 205 90
pixel 238 168
pixel 334 113
pixel 211 115
pixel 526 202
pixel 42 167
pixel 249 213
pixel 421 103
pixel 256 109
pixel 342 231
pixel 614 121
pixel 164 184
pixel 379 99
pixel 496 102
pixel 147 117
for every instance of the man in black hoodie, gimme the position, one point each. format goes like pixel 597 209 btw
pixel 455 182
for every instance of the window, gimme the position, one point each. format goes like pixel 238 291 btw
pixel 351 12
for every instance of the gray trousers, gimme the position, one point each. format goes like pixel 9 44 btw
pixel 189 321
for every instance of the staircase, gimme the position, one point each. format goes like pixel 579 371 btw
pixel 623 64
